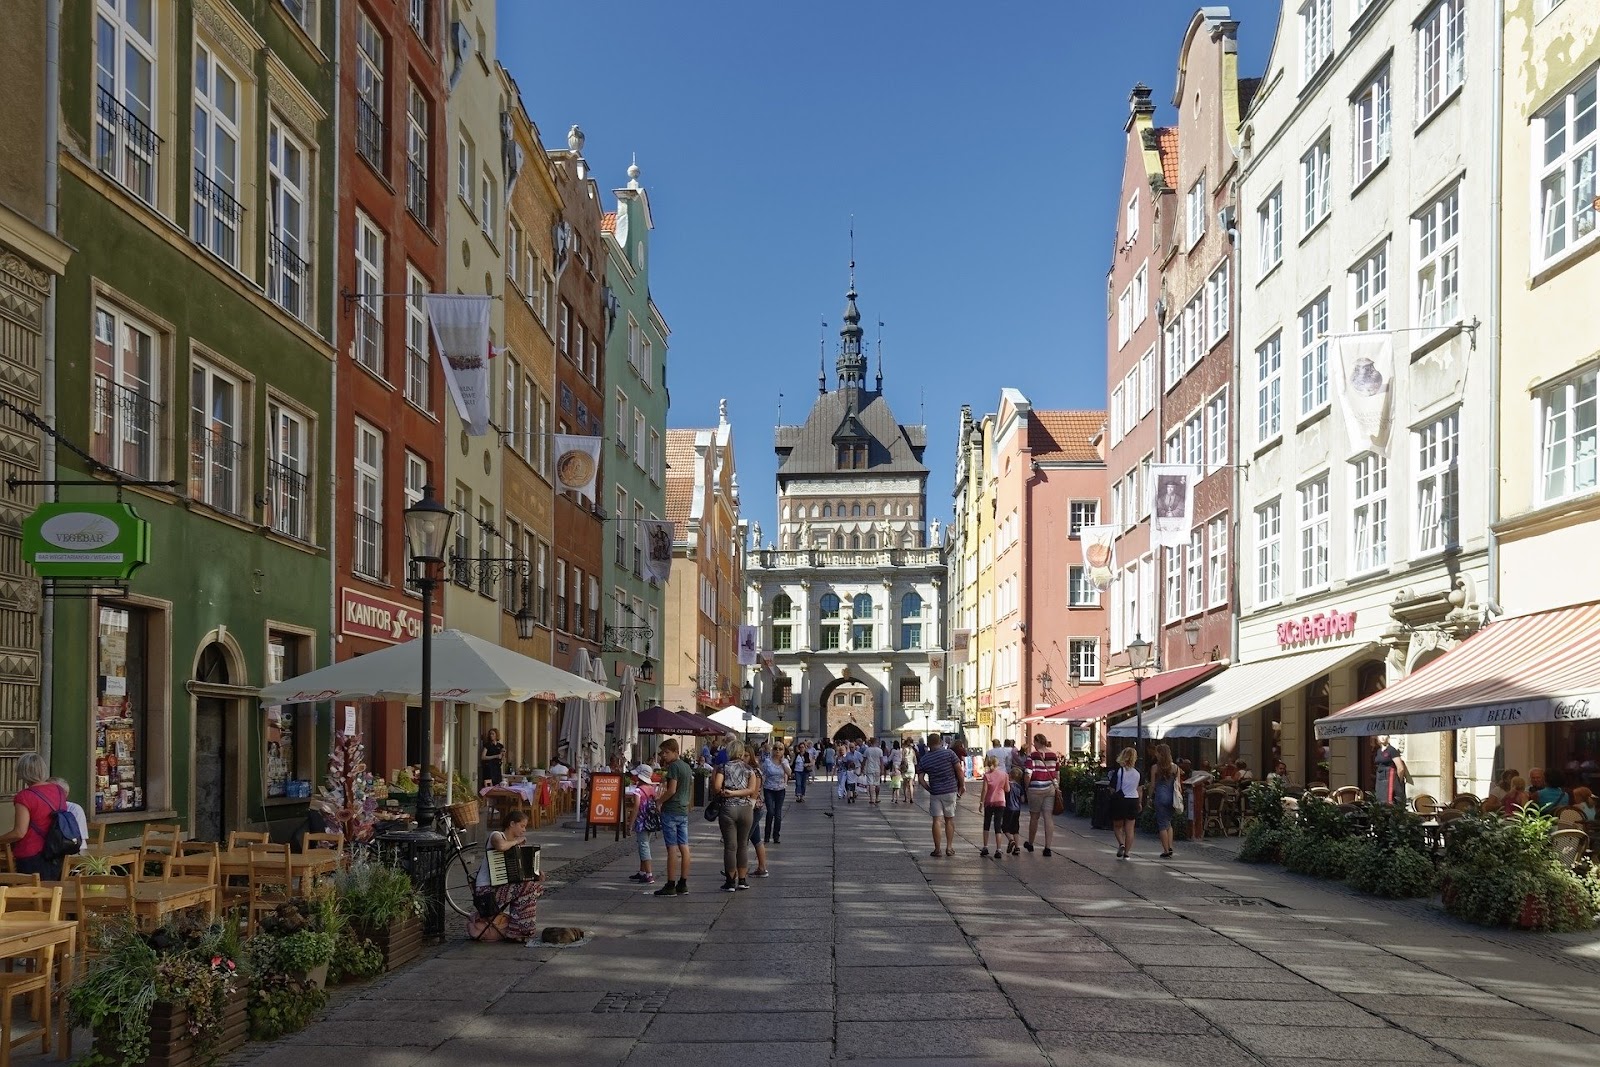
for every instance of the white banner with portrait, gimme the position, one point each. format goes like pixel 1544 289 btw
pixel 1365 365
pixel 747 646
pixel 657 534
pixel 1099 553
pixel 577 463
pixel 461 330
pixel 1172 504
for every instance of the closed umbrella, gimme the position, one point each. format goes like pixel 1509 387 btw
pixel 597 718
pixel 574 714
pixel 628 714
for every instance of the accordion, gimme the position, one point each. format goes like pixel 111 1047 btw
pixel 520 863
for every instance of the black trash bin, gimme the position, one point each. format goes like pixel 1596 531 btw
pixel 422 855
pixel 702 785
pixel 1100 815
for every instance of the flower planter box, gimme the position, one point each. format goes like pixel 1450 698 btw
pixel 171 1043
pixel 400 941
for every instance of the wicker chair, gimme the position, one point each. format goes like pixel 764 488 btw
pixel 1490 806
pixel 1570 845
pixel 1423 804
pixel 1570 818
pixel 1466 802
pixel 1346 794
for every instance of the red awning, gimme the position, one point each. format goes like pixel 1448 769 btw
pixel 1114 699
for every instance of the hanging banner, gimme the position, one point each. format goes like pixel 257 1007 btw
pixel 577 463
pixel 461 330
pixel 960 645
pixel 1172 511
pixel 747 646
pixel 658 535
pixel 1099 553
pixel 1365 368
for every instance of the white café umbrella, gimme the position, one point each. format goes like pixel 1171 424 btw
pixel 574 714
pixel 628 713
pixel 733 718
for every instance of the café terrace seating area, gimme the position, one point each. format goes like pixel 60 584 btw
pixel 47 928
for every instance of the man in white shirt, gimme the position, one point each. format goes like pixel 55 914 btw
pixel 1002 754
pixel 76 810
pixel 872 769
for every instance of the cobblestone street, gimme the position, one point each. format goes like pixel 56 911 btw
pixel 861 947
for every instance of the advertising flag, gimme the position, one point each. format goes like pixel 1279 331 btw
pixel 1172 511
pixel 461 330
pixel 577 463
pixel 658 549
pixel 747 646
pixel 1365 368
pixel 960 644
pixel 1099 553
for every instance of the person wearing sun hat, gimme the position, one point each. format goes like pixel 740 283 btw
pixel 643 791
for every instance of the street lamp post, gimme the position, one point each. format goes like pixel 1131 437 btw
pixel 1139 664
pixel 427 526
pixel 749 693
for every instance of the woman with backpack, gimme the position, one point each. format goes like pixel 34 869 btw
pixel 38 842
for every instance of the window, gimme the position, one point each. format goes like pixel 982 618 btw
pixel 622 420
pixel 1316 37
pixel 539 552
pixel 1566 412
pixel 782 606
pixel 1174 583
pixel 1194 212
pixel 575 598
pixel 1438 484
pixel 561 594
pixel 1081 592
pixel 1369 284
pixel 1130 218
pixel 1125 315
pixel 1141 296
pixel 288 265
pixel 1314 534
pixel 655 457
pixel 1194 434
pixel 461 531
pixel 1314 356
pixel 216 445
pixel 1316 172
pixel 911 688
pixel 127 429
pixel 126 144
pixel 217 211
pixel 285 659
pixel 417 16
pixel 370 132
pixel 541 436
pixel 1083 513
pixel 1370 514
pixel 782 637
pixel 594 607
pixel 466 167
pixel 368 458
pixel 1147 382
pixel 1217 305
pixel 1217 432
pixel 910 635
pixel 830 606
pixel 489 207
pixel 1372 116
pixel 1117 416
pixel 418 125
pixel 647 361
pixel 288 475
pixel 1194 572
pixel 861 606
pixel 417 369
pixel 1269 226
pixel 1217 560
pixel 621 527
pixel 861 636
pixel 416 480
pixel 1441 55
pixel 564 330
pixel 1566 165
pixel 1439 260
pixel 486 547
pixel 1194 329
pixel 638 439
pixel 1083 658
pixel 639 535
pixel 134 726
pixel 911 606
pixel 1269 552
pixel 369 302
pixel 1172 338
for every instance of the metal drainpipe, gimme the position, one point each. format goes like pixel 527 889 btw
pixel 1497 132
pixel 333 385
pixel 52 195
pixel 1236 298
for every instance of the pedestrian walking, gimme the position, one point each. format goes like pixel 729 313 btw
pixel 908 765
pixel 758 834
pixel 1044 783
pixel 646 814
pixel 737 784
pixel 774 768
pixel 1016 800
pixel 1002 752
pixel 802 770
pixel 1165 788
pixel 677 788
pixel 1125 801
pixel 940 773
pixel 872 769
pixel 827 756
pixel 996 784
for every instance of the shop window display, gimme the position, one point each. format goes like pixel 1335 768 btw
pixel 122 710
pixel 280 721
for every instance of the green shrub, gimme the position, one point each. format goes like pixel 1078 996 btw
pixel 354 958
pixel 1390 871
pixel 1505 872
pixel 1147 823
pixel 1320 857
pixel 1263 843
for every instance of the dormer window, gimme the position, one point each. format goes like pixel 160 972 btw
pixel 852 455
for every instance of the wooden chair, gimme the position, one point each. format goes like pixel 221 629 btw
pixel 159 846
pixel 19 879
pixel 271 880
pixel 97 833
pixel 247 838
pixel 198 866
pixel 1423 804
pixel 1570 845
pixel 312 841
pixel 96 907
pixel 36 981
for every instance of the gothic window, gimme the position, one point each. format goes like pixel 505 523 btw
pixel 827 511
pixel 861 606
pixel 830 606
pixel 872 541
pixel 782 606
pixel 838 542
pixel 855 511
pixel 911 606
pixel 855 542
pixel 872 510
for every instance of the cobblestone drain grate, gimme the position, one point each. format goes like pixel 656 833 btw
pixel 1247 902
pixel 634 1002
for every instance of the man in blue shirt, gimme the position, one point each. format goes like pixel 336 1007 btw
pixel 939 772
pixel 1549 795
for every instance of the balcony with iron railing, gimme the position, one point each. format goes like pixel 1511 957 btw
pixel 802 558
pixel 287 276
pixel 127 429
pixel 288 500
pixel 417 190
pixel 126 148
pixel 371 133
pixel 367 560
pixel 215 461
pixel 216 219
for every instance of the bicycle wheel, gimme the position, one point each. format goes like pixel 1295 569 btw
pixel 461 871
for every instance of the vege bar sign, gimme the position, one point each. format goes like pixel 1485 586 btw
pixel 381 620
pixel 1318 627
pixel 85 541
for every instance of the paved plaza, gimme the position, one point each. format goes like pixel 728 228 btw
pixel 860 947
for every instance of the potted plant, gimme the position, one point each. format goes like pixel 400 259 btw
pixel 168 999
pixel 293 941
pixel 381 906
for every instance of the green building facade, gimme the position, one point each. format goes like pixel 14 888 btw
pixel 636 373
pixel 197 177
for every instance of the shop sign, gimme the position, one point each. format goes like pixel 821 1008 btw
pixel 1318 627
pixel 86 541
pixel 986 717
pixel 366 616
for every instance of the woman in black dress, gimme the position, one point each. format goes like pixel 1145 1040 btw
pixel 1391 777
pixel 491 758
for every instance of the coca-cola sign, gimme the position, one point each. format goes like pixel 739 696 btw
pixel 1319 627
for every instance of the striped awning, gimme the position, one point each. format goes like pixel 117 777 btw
pixel 1119 697
pixel 1533 668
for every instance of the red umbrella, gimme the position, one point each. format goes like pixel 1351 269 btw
pixel 705 727
pixel 659 720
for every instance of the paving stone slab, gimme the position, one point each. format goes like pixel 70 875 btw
pixel 1190 978
pixel 540 1030
pixel 753 1026
pixel 1445 1060
pixel 422 1030
pixel 546 1003
pixel 998 1039
pixel 1018 1058
pixel 485 1052
pixel 1110 1015
pixel 1185 954
pixel 736 1054
pixel 1549 1036
pixel 1069 1048
pixel 285 1055
pixel 1473 1005
pixel 890 954
pixel 794 997
pixel 1385 1044
pixel 907 1007
pixel 1107 986
pixel 1330 1012
pixel 1262 992
pixel 850 980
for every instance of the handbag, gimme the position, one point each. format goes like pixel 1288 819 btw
pixel 1060 807
pixel 1177 797
pixel 714 809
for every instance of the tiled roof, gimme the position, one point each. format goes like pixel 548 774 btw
pixel 680 456
pixel 1065 436
pixel 809 448
pixel 608 222
pixel 1167 145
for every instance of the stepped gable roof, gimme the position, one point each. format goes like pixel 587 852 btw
pixel 1167 146
pixel 680 456
pixel 1065 436
pixel 809 449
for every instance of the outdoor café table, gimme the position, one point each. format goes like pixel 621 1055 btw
pixel 153 900
pixel 235 863
pixel 22 935
pixel 116 853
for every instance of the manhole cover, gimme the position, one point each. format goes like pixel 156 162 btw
pixel 631 1002
pixel 1246 902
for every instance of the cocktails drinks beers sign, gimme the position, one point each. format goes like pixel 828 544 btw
pixel 85 541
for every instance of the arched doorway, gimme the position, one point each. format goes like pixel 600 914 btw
pixel 848 732
pixel 849 702
pixel 212 744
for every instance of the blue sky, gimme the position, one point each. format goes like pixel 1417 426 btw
pixel 978 147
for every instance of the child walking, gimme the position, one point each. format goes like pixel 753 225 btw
pixel 1016 800
pixel 996 786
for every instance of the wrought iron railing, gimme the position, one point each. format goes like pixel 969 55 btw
pixel 417 190
pixel 286 276
pixel 371 133
pixel 126 148
pixel 215 461
pixel 369 336
pixel 288 497
pixel 216 219
pixel 127 428
pixel 367 560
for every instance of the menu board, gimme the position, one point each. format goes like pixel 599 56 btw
pixel 605 802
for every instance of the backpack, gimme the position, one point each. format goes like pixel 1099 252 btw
pixel 61 839
pixel 648 821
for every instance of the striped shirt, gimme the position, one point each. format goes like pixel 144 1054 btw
pixel 1041 767
pixel 943 769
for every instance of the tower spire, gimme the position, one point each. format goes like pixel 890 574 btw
pixel 880 356
pixel 822 358
pixel 851 365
